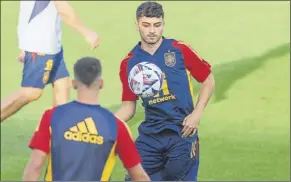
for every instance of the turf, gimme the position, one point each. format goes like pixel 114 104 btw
pixel 245 130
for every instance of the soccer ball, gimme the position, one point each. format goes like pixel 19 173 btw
pixel 145 79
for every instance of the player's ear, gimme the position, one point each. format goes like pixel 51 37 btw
pixel 101 83
pixel 74 84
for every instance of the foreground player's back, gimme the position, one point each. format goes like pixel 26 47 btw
pixel 82 140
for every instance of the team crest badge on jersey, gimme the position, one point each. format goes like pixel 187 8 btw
pixel 170 59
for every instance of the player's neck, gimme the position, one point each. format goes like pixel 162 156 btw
pixel 151 48
pixel 88 97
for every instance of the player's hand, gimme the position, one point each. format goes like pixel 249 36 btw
pixel 21 57
pixel 93 39
pixel 191 123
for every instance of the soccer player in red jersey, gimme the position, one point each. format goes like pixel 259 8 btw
pixel 81 138
pixel 168 137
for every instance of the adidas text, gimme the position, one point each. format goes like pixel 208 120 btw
pixel 84 137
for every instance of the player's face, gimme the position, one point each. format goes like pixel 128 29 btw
pixel 150 29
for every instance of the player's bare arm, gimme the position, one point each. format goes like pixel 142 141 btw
pixel 40 145
pixel 70 17
pixel 137 173
pixel 206 91
pixel 33 169
pixel 126 111
pixel 201 72
pixel 191 122
pixel 128 106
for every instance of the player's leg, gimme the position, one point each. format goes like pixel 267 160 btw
pixel 60 81
pixel 61 91
pixel 182 157
pixel 36 72
pixel 13 103
pixel 151 153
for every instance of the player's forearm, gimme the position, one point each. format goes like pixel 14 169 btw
pixel 70 17
pixel 124 115
pixel 141 177
pixel 206 91
pixel 33 169
pixel 126 111
pixel 137 173
pixel 32 173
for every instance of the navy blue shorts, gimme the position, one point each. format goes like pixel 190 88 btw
pixel 168 157
pixel 40 70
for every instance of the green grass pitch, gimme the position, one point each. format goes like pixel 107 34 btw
pixel 245 130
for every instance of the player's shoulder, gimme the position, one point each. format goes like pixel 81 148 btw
pixel 106 111
pixel 168 41
pixel 127 58
pixel 61 107
pixel 50 110
pixel 66 105
pixel 178 42
pixel 48 113
pixel 182 46
pixel 134 52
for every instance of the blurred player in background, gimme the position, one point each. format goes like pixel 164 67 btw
pixel 81 137
pixel 39 36
pixel 168 138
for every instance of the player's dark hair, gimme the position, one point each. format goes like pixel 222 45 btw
pixel 87 70
pixel 150 9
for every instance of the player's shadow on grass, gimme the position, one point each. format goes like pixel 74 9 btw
pixel 227 74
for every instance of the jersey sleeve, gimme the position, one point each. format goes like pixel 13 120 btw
pixel 41 137
pixel 125 147
pixel 127 94
pixel 198 67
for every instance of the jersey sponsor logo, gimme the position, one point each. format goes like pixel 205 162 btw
pixel 170 59
pixel 86 132
pixel 164 95
pixel 162 99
